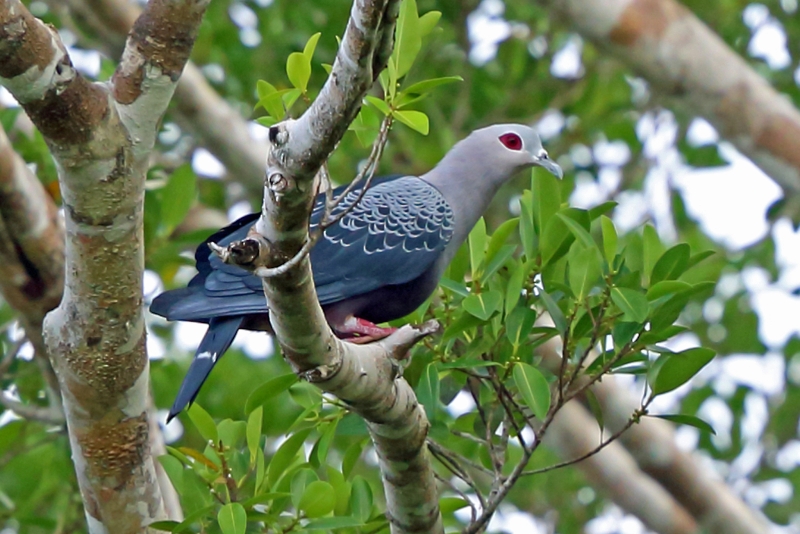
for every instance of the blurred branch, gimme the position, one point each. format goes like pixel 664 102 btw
pixel 198 108
pixel 575 433
pixel 700 491
pixel 683 59
pixel 32 252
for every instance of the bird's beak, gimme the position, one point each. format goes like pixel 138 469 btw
pixel 551 166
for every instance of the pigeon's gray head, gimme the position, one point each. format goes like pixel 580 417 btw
pixel 509 148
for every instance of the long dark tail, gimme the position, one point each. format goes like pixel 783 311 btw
pixel 220 334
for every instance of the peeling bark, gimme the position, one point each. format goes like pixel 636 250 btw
pixel 686 61
pixel 101 137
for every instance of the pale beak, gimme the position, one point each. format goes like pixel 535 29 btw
pixel 551 166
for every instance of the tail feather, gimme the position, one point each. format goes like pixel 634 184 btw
pixel 220 334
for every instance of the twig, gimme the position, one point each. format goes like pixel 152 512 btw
pixel 633 420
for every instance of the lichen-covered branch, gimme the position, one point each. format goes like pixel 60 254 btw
pixel 366 377
pixel 197 106
pixel 101 136
pixel 683 59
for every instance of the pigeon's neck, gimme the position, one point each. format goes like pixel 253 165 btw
pixel 468 185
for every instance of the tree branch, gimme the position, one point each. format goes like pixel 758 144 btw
pixel 101 136
pixel 365 377
pixel 683 59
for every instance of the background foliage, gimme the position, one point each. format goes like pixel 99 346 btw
pixel 598 107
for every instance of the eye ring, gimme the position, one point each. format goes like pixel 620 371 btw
pixel 511 141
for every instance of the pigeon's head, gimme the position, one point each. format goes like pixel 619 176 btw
pixel 510 148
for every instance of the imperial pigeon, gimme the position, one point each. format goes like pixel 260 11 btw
pixel 378 263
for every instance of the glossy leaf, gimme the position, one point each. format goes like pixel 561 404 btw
pixel 426 85
pixel 298 69
pixel 477 247
pixel 408 39
pixel 232 518
pixel 555 312
pixel 269 389
pixel 416 120
pixel 690 420
pixel 533 387
pixel 203 422
pixel 178 196
pixel 671 264
pixel 318 499
pixel 428 390
pixel 483 305
pixel 585 269
pixel 361 499
pixel 254 421
pixel 527 232
pixel 285 455
pixel 609 239
pixel 518 325
pixel 546 190
pixel 678 368
pixel 632 303
pixel 578 231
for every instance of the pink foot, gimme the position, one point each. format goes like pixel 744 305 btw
pixel 361 331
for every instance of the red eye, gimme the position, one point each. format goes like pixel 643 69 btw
pixel 511 141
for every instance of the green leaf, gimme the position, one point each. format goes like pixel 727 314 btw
pixel 448 505
pixel 334 523
pixel 499 260
pixel 379 103
pixel 285 455
pixel 514 287
pixel 323 445
pixel 416 120
pixel 527 230
pixel 632 303
pixel 203 422
pixel 455 287
pixel 361 499
pixel 232 519
pixel 428 390
pixel 408 39
pixel 534 389
pixel 585 269
pixel 254 422
pixel 499 239
pixel 666 287
pixel 351 456
pixel 174 469
pixel 424 86
pixel 672 264
pixel 298 69
pixel 690 420
pixel 177 196
pixel 483 305
pixel 555 312
pixel 311 45
pixel 578 231
pixel 609 239
pixel 702 156
pixel 271 99
pixel 557 237
pixel 428 21
pixel 269 389
pixel 595 407
pixel 697 258
pixel 676 369
pixel 547 196
pixel 461 323
pixel 318 499
pixel 518 325
pixel 477 247
pixel 602 209
pixel 651 248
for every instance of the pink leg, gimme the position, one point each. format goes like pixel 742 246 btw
pixel 361 331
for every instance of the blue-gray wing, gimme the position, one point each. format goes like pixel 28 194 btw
pixel 392 236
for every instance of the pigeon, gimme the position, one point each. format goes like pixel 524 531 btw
pixel 378 263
